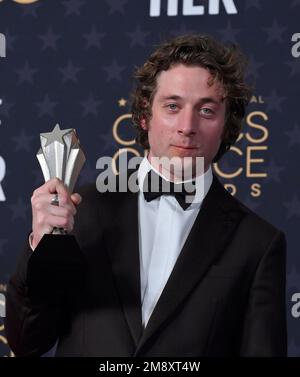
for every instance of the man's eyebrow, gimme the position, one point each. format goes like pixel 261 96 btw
pixel 171 96
pixel 202 100
pixel 217 101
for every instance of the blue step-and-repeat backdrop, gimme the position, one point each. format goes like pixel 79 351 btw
pixel 71 62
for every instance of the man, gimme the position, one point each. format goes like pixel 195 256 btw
pixel 163 278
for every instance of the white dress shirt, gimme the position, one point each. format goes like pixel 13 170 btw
pixel 163 230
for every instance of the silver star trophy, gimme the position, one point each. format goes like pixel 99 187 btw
pixel 61 156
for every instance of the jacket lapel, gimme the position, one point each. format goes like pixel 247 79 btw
pixel 211 232
pixel 123 249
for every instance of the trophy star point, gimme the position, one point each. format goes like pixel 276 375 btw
pixel 56 135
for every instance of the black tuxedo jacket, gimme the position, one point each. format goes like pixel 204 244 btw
pixel 224 297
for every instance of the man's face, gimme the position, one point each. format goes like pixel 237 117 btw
pixel 188 115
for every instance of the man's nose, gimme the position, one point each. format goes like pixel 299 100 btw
pixel 188 123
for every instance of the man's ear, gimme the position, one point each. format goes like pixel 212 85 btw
pixel 144 124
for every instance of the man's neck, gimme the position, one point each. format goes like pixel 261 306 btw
pixel 176 172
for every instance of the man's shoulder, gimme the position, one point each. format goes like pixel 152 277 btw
pixel 251 219
pixel 257 221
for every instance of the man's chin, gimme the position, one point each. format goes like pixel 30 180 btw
pixel 186 167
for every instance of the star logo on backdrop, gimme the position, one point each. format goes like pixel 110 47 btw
pixel 26 74
pixel 181 30
pixel 93 38
pixel 5 107
pixel 292 207
pixel 273 170
pixel 19 209
pixel 113 71
pixel 90 106
pixel 274 32
pixel 22 141
pixel 46 106
pixel 293 135
pixel 107 141
pixel 252 4
pixel 122 102
pixel 253 67
pixel 229 34
pixel 274 102
pixel 295 3
pixel 70 72
pixel 73 7
pixel 294 67
pixel 137 37
pixel 116 6
pixel 49 39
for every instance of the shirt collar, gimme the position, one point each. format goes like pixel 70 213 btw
pixel 203 182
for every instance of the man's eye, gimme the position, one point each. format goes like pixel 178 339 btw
pixel 172 106
pixel 206 111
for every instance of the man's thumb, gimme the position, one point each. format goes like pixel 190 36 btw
pixel 76 198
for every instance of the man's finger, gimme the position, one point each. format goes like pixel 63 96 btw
pixel 76 198
pixel 52 186
pixel 67 211
pixel 43 202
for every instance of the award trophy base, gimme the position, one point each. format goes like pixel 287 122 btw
pixel 57 263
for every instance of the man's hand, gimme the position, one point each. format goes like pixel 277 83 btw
pixel 46 216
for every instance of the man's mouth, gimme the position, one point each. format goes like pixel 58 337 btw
pixel 185 147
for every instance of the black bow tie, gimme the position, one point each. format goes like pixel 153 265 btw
pixel 154 186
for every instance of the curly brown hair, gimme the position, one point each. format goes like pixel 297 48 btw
pixel 226 64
